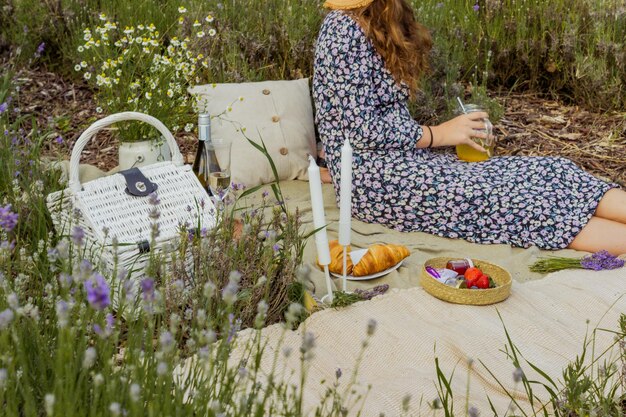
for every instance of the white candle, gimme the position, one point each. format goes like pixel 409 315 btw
pixel 345 196
pixel 319 220
pixel 319 223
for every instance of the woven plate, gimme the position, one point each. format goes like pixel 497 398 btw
pixel 501 277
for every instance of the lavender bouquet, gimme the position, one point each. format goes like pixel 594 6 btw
pixel 598 261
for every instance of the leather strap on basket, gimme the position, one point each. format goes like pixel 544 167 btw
pixel 74 182
pixel 137 184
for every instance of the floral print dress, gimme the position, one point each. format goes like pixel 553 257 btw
pixel 521 201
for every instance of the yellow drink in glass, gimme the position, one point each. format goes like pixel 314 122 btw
pixel 469 154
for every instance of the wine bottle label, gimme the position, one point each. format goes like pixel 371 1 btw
pixel 204 133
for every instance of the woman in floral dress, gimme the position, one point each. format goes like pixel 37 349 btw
pixel 369 56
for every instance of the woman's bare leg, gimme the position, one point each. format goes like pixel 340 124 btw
pixel 613 206
pixel 601 234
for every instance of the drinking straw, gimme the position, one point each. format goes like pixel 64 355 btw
pixel 461 104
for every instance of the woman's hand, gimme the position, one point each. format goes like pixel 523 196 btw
pixel 457 131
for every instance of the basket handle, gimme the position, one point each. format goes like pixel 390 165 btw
pixel 74 183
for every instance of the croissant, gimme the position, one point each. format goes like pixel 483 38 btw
pixel 336 258
pixel 378 258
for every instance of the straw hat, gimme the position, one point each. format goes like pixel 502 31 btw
pixel 346 4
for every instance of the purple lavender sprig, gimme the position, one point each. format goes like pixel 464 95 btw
pixel 97 292
pixel 369 294
pixel 8 219
pixel 598 261
pixel 601 260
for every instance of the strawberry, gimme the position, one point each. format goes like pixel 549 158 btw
pixel 482 282
pixel 472 274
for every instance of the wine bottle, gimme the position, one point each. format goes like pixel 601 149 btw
pixel 202 160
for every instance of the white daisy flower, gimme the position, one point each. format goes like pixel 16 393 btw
pixel 212 32
pixel 77 67
pixel 87 75
pixel 200 34
pixel 98 110
pixel 181 9
pixel 209 18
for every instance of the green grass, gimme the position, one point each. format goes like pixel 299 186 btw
pixel 571 49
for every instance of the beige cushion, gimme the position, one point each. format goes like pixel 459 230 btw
pixel 279 112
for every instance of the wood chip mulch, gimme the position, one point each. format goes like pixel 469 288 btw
pixel 531 125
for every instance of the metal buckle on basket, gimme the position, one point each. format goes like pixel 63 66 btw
pixel 143 246
pixel 137 184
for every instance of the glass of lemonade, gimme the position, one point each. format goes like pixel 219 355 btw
pixel 469 154
pixel 219 167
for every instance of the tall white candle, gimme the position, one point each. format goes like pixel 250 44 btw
pixel 319 220
pixel 345 196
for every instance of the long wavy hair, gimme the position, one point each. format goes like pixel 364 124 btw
pixel 403 43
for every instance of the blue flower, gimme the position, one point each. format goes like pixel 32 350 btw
pixel 97 292
pixel 3 108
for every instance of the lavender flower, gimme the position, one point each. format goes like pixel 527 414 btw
pixel 369 294
pixel 97 292
pixel 6 317
pixel 147 289
pixel 4 375
pixel 3 107
pixel 62 309
pixel 8 219
pixel 82 271
pixel 601 260
pixel 40 49
pixel 153 199
pixel 58 140
pixel 476 7
pixel 78 236
pixel 89 359
pixel 233 327
pixel 167 341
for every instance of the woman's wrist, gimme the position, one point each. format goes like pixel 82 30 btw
pixel 428 139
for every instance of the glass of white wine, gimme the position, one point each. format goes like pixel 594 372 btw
pixel 219 168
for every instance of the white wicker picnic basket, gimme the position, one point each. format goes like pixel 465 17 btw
pixel 108 212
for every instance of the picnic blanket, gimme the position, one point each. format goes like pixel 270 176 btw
pixel 422 245
pixel 547 321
